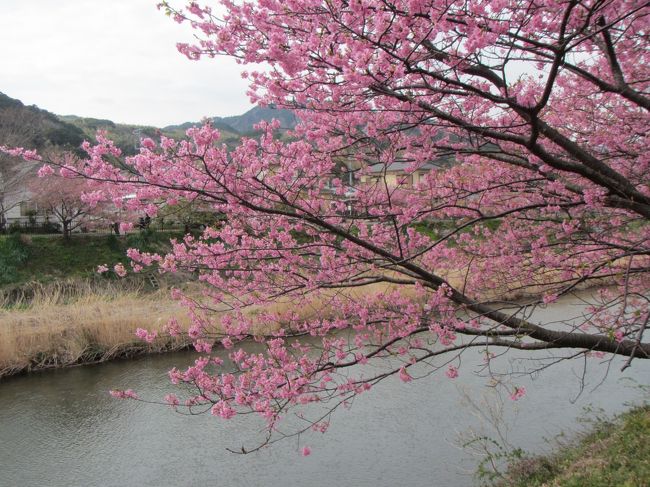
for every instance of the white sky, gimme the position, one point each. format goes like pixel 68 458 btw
pixel 114 59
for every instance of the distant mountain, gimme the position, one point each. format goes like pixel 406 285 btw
pixel 245 124
pixel 127 136
pixel 216 123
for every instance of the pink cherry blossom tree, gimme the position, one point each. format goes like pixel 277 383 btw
pixel 526 124
pixel 72 201
pixel 60 200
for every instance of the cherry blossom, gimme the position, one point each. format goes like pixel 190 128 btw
pixel 431 197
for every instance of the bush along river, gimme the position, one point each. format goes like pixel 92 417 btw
pixel 61 428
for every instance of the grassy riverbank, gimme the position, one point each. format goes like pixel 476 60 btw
pixel 71 323
pixel 56 311
pixel 75 323
pixel 614 453
pixel 58 329
pixel 50 258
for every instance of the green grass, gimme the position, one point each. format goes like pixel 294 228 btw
pixel 54 257
pixel 49 258
pixel 614 453
pixel 13 255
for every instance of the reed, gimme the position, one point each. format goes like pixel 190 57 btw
pixel 78 322
pixel 62 326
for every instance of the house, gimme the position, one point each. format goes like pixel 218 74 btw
pixel 19 208
pixel 398 174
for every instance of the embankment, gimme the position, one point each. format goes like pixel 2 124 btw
pixel 615 452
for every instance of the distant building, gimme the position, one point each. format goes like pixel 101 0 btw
pixel 22 210
pixel 398 174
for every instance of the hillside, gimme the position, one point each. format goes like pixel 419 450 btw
pixel 126 137
pixel 245 123
pixel 34 128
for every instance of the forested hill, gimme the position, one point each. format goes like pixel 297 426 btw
pixel 34 128
pixel 126 136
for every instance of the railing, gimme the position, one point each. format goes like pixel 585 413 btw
pixel 54 229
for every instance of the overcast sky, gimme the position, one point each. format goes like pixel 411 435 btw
pixel 112 59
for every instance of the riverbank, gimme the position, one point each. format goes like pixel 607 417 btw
pixel 615 452
pixel 78 322
pixel 25 259
pixel 89 327
pixel 56 311
pixel 70 323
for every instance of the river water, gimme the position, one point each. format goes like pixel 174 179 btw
pixel 61 428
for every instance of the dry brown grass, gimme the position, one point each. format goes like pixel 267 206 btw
pixel 58 329
pixel 74 323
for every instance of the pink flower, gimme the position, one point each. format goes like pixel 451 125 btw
pixel 223 410
pixel 172 400
pixel 172 327
pixel 67 172
pixel 143 334
pixel 125 227
pixel 549 298
pixel 102 268
pixel 404 375
pixel 306 451
pixel 518 393
pixel 119 270
pixel 452 372
pixel 46 170
pixel 203 346
pixel 618 336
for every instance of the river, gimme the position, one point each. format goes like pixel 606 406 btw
pixel 60 428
